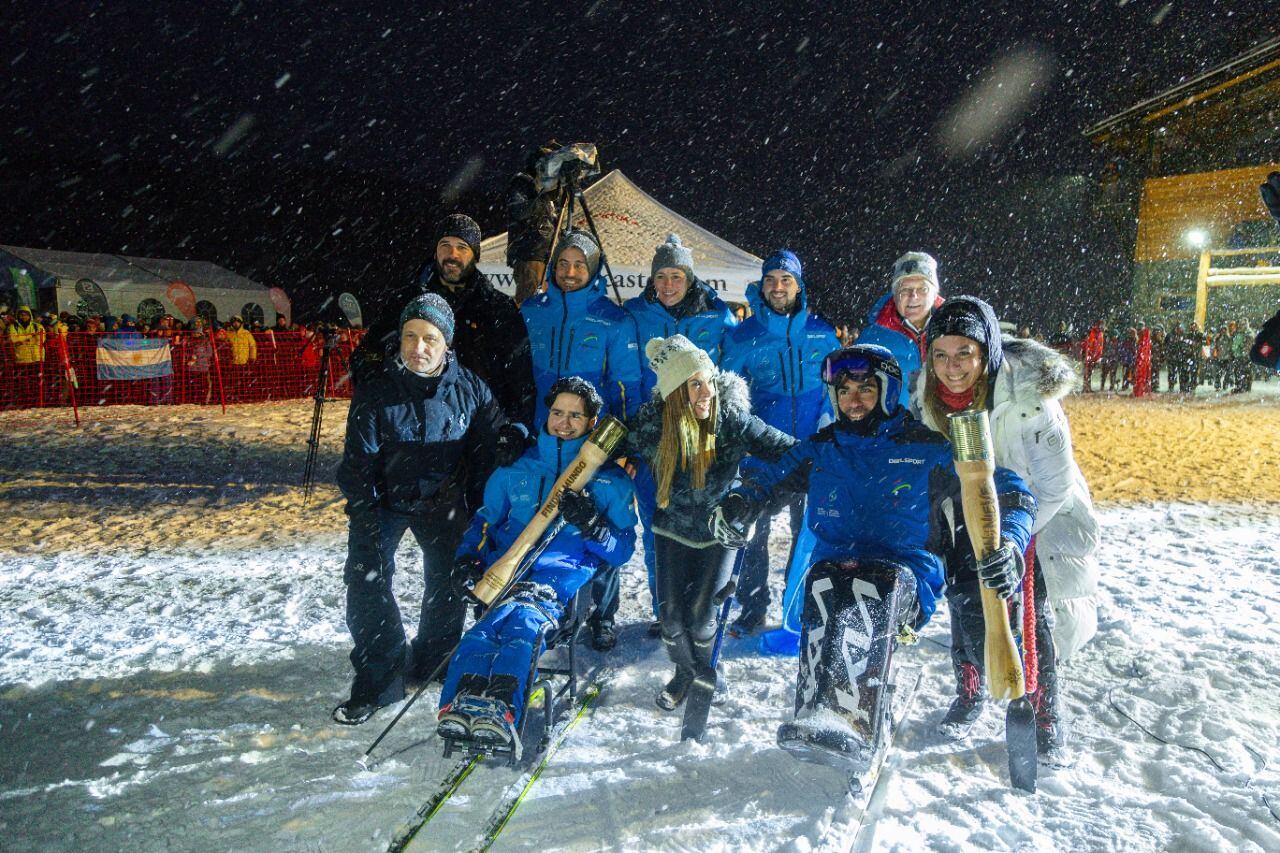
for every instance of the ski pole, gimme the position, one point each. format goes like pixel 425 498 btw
pixel 525 567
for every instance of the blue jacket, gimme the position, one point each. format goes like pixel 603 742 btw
pixel 584 334
pixel 886 328
pixel 880 496
pixel 415 445
pixel 513 495
pixel 781 360
pixel 702 317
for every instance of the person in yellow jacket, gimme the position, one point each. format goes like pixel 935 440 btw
pixel 244 352
pixel 26 340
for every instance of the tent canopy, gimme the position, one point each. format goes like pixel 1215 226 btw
pixel 632 224
pixel 111 269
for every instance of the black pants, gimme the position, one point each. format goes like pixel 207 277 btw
pixel 968 639
pixel 373 616
pixel 753 585
pixel 688 581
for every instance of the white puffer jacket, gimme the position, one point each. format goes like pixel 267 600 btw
pixel 1032 437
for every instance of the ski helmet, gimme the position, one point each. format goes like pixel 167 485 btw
pixel 860 361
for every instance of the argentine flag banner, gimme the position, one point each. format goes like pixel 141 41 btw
pixel 134 358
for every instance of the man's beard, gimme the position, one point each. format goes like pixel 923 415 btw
pixel 449 276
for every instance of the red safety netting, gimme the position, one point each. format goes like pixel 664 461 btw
pixel 95 369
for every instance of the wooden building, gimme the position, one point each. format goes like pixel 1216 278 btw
pixel 1181 176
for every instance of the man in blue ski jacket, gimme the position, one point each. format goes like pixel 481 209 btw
pixel 881 488
pixel 675 302
pixel 485 692
pixel 897 321
pixel 574 330
pixel 779 352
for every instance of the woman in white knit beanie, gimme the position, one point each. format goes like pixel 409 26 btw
pixel 691 439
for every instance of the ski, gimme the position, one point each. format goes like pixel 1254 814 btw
pixel 448 785
pixel 518 790
pixel 697 705
pixel 841 835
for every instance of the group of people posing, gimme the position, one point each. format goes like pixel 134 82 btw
pixel 467 409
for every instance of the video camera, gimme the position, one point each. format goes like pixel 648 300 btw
pixel 569 163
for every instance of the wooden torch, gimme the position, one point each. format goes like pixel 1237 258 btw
pixel 975 465
pixel 596 450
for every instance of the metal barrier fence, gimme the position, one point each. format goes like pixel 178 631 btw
pixel 80 369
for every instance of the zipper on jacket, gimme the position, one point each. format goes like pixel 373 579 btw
pixel 564 366
pixel 791 356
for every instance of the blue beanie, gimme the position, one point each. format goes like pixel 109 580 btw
pixel 432 308
pixel 785 260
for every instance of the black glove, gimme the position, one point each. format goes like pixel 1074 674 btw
pixel 731 521
pixel 580 510
pixel 1271 194
pixel 1001 570
pixel 467 571
pixel 513 440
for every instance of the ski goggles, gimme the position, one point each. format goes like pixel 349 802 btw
pixel 843 362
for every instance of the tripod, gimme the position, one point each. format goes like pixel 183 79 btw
pixel 317 415
pixel 573 193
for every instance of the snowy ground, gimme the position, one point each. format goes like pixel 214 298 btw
pixel 171 641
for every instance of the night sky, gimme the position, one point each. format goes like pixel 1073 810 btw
pixel 312 149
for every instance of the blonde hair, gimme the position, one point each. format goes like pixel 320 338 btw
pixel 932 403
pixel 686 440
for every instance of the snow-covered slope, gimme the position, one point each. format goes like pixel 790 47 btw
pixel 168 687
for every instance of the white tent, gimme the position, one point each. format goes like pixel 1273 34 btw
pixel 632 224
pixel 142 286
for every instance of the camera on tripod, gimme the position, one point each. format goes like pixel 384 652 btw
pixel 567 165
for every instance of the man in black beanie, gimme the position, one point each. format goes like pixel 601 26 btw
pixel 491 340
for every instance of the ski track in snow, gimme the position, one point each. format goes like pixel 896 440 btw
pixel 179 700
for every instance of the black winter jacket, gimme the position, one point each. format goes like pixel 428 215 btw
pixel 417 445
pixel 738 433
pixel 489 338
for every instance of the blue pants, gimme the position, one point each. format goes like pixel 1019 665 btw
pixel 373 616
pixel 512 635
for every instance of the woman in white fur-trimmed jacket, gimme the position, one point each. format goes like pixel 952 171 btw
pixel 1020 383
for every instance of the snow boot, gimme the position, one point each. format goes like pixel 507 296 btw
pixel 967 707
pixel 1051 731
pixel 603 635
pixel 453 722
pixel 364 702
pixel 672 695
pixel 494 724
pixel 746 625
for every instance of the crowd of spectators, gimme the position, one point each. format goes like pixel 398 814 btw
pixel 1183 357
pixel 45 357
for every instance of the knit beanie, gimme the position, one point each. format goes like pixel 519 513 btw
pixel 464 228
pixel 583 241
pixel 971 317
pixel 432 308
pixel 672 253
pixel 785 260
pixel 915 263
pixel 675 360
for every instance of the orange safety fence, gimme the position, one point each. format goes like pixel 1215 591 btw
pixel 79 369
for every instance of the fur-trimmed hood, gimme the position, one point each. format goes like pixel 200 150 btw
pixel 1033 371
